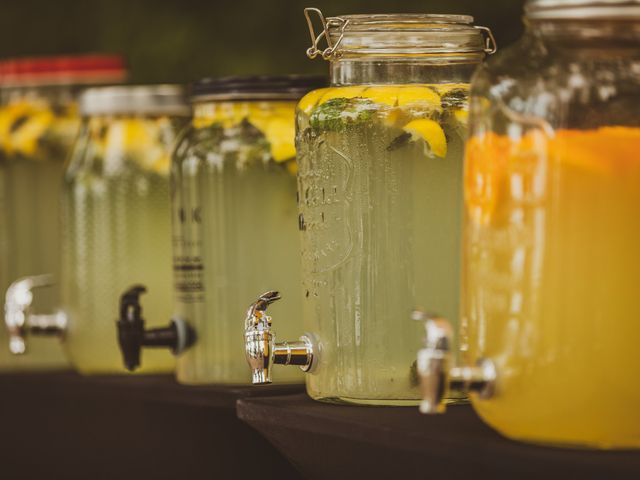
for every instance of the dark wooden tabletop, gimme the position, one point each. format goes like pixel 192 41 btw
pixel 339 441
pixel 62 426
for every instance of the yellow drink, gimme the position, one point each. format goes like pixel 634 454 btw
pixel 380 186
pixel 550 282
pixel 36 134
pixel 235 232
pixel 116 219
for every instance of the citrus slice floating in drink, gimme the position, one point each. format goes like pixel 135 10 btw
pixel 431 132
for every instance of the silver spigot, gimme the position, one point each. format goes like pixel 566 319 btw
pixel 439 378
pixel 21 322
pixel 260 348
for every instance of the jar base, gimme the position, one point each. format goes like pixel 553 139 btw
pixel 371 402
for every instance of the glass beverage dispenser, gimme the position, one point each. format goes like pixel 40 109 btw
pixel 380 202
pixel 39 120
pixel 115 220
pixel 234 224
pixel 552 195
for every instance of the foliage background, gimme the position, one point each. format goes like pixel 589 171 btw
pixel 183 40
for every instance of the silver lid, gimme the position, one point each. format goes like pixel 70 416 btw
pixel 582 9
pixel 135 100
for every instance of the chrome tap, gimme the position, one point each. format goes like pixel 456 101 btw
pixel 261 348
pixel 19 319
pixel 438 377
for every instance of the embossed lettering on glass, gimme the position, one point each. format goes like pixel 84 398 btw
pixel 380 198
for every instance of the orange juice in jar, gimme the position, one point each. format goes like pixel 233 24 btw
pixel 549 313
pixel 551 237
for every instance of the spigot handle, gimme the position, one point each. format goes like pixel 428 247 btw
pixel 256 316
pixel 261 349
pixel 434 362
pixel 258 339
pixel 132 335
pixel 18 317
pixel 438 376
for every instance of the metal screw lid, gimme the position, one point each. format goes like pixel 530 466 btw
pixel 256 87
pixel 135 100
pixel 582 9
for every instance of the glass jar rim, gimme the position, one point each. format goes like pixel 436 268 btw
pixel 151 100
pixel 394 21
pixel 582 9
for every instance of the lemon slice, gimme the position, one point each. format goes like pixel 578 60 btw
pixel 280 134
pixel 311 99
pixel 382 95
pixel 342 92
pixel 431 132
pixel 292 167
pixel 462 117
pixel 411 95
pixel 25 139
pixel 278 127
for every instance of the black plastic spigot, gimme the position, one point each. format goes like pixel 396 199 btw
pixel 132 336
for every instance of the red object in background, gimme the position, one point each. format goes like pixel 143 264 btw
pixel 63 70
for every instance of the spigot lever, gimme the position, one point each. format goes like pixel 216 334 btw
pixel 19 319
pixel 261 349
pixel 438 377
pixel 132 336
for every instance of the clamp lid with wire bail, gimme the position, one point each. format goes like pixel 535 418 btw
pixel 396 34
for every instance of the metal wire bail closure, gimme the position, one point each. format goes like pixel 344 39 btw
pixel 491 46
pixel 313 51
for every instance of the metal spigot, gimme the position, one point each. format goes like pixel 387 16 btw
pixel 19 319
pixel 261 348
pixel 132 336
pixel 438 377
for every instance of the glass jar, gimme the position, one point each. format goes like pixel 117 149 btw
pixel 38 122
pixel 552 194
pixel 235 217
pixel 115 223
pixel 380 196
pixel 117 216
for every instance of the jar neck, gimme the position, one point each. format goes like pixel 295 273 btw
pixel 221 108
pixel 603 34
pixel 364 70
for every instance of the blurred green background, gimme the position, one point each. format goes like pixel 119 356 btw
pixel 183 40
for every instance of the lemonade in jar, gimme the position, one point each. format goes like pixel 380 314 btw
pixel 39 120
pixel 235 223
pixel 115 222
pixel 380 197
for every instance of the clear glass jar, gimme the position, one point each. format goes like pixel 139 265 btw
pixel 116 217
pixel 235 218
pixel 380 186
pixel 38 122
pixel 552 194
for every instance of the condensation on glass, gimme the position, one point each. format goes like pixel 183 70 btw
pixel 380 196
pixel 39 120
pixel 552 227
pixel 235 218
